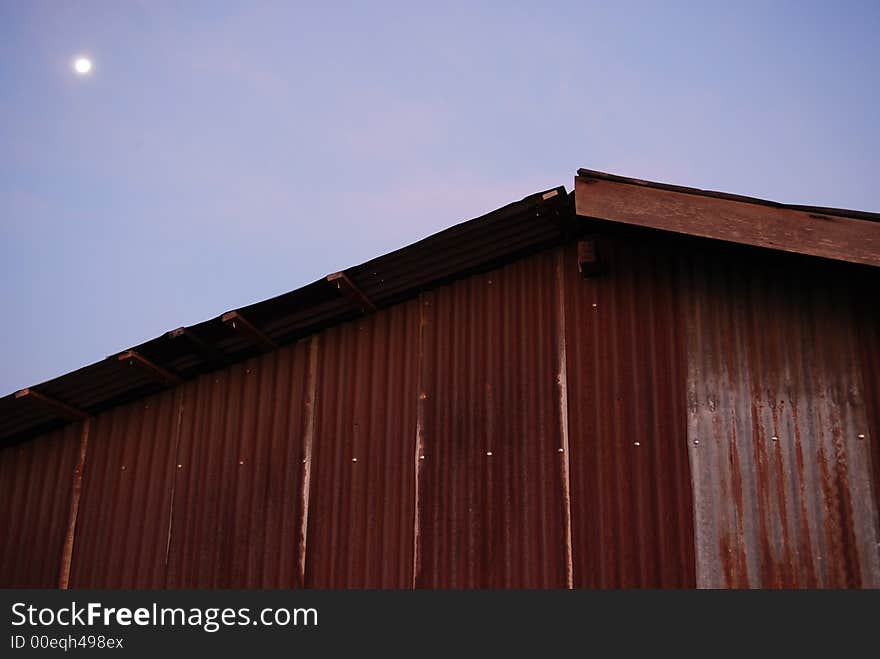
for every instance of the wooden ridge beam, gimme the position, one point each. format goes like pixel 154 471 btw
pixel 733 220
pixel 350 289
pixel 158 373
pixel 243 326
pixel 58 407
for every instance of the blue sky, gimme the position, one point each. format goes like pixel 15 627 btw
pixel 224 152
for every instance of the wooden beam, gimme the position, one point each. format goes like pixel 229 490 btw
pixel 56 406
pixel 205 350
pixel 760 224
pixel 589 262
pixel 241 325
pixel 348 287
pixel 155 371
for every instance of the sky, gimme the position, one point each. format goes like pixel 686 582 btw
pixel 220 153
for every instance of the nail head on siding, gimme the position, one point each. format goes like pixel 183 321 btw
pixel 354 459
pixel 696 442
pixel 775 438
pixel 489 453
pixel 861 435
pixel 637 444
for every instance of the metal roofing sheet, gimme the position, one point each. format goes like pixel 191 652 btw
pixel 779 440
pixel 36 486
pixel 632 516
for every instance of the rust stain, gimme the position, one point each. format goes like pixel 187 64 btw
pixel 308 441
pixel 562 383
pixel 790 448
pixel 76 488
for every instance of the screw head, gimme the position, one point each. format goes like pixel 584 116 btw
pixel 560 450
pixel 637 444
pixel 775 438
pixel 861 435
pixel 489 453
pixel 354 459
pixel 180 466
pixel 696 442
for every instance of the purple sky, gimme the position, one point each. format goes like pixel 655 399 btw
pixel 221 153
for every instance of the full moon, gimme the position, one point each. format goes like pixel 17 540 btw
pixel 82 65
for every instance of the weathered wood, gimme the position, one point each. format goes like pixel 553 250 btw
pixel 762 225
pixel 56 406
pixel 206 351
pixel 588 257
pixel 347 286
pixel 152 369
pixel 244 327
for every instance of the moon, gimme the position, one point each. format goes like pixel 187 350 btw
pixel 82 65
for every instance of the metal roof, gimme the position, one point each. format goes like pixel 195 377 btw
pixel 538 221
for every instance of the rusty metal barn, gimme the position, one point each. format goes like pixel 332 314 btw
pixel 632 385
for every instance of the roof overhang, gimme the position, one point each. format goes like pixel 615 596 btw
pixel 536 222
pixel 830 233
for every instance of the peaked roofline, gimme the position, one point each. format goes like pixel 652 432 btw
pixel 536 222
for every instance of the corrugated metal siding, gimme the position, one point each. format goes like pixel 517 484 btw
pixel 360 525
pixel 246 477
pixel 488 379
pixel 869 334
pixel 124 508
pixel 36 481
pixel 630 481
pixel 238 488
pixel 782 481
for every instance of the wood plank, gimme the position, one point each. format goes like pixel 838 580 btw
pixel 155 371
pixel 57 407
pixel 248 330
pixel 349 288
pixel 801 232
pixel 209 353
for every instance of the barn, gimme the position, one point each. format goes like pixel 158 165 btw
pixel 632 385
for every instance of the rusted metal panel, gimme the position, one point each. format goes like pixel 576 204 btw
pixel 630 484
pixel 868 320
pixel 490 487
pixel 36 479
pixel 360 524
pixel 777 428
pixel 124 510
pixel 236 509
